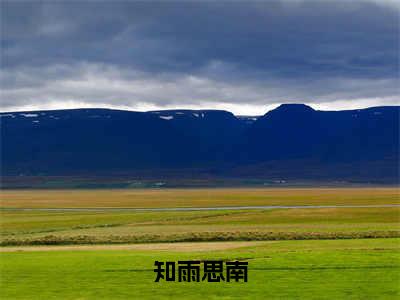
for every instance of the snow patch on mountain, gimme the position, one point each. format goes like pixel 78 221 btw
pixel 167 117
pixel 29 115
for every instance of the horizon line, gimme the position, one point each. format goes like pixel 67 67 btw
pixel 186 109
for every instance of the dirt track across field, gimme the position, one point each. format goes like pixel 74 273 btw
pixel 178 247
pixel 200 208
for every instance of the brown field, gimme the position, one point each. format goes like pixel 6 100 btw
pixel 197 197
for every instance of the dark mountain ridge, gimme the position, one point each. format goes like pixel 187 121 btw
pixel 291 141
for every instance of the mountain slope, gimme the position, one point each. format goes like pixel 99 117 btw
pixel 296 131
pixel 90 140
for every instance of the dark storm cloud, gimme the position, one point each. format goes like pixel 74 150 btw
pixel 316 51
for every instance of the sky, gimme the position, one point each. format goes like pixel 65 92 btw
pixel 243 56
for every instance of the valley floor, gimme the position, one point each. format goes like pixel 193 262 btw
pixel 332 252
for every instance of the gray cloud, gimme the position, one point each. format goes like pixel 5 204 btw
pixel 140 55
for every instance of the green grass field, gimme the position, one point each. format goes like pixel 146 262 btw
pixel 340 269
pixel 302 253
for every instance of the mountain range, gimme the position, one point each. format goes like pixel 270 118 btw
pixel 293 141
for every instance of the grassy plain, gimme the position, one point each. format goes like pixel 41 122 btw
pixel 91 227
pixel 38 227
pixel 198 197
pixel 302 253
pixel 340 269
